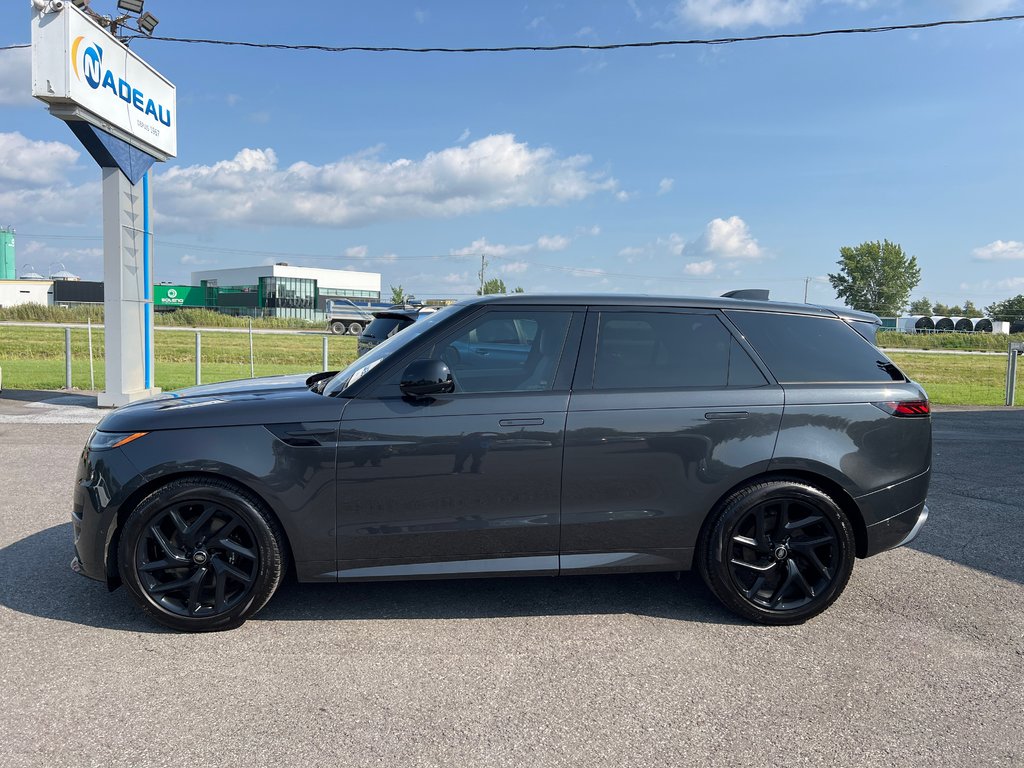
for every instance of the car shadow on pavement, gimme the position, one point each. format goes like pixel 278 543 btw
pixel 975 495
pixel 35 579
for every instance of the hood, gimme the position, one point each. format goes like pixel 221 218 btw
pixel 267 400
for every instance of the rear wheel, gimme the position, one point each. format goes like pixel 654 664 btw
pixel 200 555
pixel 337 327
pixel 777 552
pixel 355 328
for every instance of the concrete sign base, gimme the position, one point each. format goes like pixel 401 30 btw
pixel 128 305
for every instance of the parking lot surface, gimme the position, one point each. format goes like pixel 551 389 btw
pixel 919 663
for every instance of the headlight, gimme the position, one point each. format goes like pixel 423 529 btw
pixel 101 441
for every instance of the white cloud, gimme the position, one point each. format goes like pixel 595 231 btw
pixel 730 239
pixel 631 251
pixel 700 267
pixel 357 252
pixel 515 267
pixel 463 136
pixel 480 247
pixel 553 243
pixel 742 13
pixel 16 78
pixel 34 163
pixel 36 256
pixel 593 231
pixel 999 250
pixel 622 195
pixel 674 242
pixel 665 186
pixel 455 278
pixel 492 173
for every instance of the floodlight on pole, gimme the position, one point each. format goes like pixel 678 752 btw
pixel 79 3
pixel 148 22
pixel 132 6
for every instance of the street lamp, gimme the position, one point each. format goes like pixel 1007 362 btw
pixel 132 6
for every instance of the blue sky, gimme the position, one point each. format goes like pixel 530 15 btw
pixel 672 170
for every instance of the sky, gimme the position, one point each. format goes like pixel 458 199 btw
pixel 672 170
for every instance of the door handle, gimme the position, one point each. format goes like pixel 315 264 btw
pixel 725 415
pixel 520 422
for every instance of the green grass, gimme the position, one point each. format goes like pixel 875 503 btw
pixel 33 358
pixel 977 342
pixel 957 379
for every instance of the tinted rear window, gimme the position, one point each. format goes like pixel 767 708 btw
pixel 650 350
pixel 800 348
pixel 383 327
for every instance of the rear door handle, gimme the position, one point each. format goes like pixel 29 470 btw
pixel 725 415
pixel 520 422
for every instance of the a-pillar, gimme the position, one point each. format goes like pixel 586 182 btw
pixel 127 289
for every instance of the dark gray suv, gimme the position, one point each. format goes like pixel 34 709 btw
pixel 768 445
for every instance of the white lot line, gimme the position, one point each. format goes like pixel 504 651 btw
pixel 63 409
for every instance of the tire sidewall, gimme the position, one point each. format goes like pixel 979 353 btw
pixel 178 492
pixel 715 556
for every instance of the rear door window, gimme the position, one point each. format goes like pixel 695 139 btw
pixel 809 349
pixel 669 350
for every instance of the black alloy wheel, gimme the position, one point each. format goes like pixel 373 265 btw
pixel 201 555
pixel 777 552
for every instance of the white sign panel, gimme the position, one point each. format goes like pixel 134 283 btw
pixel 76 63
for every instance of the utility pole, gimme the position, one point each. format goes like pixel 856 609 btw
pixel 807 284
pixel 483 266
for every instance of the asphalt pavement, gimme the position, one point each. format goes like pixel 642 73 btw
pixel 920 662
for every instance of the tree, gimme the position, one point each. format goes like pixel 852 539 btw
pixel 397 294
pixel 940 309
pixel 956 311
pixel 518 289
pixel 494 285
pixel 922 306
pixel 876 277
pixel 1009 309
pixel 970 310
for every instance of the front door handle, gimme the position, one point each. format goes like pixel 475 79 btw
pixel 520 422
pixel 725 415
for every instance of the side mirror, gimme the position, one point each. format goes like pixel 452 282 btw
pixel 427 377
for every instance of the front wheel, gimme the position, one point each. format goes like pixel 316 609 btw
pixel 200 555
pixel 777 552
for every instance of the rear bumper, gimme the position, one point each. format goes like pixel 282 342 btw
pixel 897 530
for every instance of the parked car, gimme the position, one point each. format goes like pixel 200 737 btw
pixel 387 323
pixel 766 445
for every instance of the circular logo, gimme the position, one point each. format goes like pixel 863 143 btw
pixel 172 293
pixel 91 60
pixel 200 557
pixel 781 552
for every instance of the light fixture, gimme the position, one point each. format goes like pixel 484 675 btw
pixel 79 3
pixel 132 6
pixel 148 22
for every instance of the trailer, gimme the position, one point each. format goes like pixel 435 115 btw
pixel 344 316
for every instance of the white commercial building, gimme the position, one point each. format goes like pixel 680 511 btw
pixel 285 291
pixel 15 292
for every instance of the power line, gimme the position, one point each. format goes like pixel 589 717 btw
pixel 566 46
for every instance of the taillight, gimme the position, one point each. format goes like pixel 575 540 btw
pixel 905 407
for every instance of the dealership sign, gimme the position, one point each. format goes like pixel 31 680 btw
pixel 84 73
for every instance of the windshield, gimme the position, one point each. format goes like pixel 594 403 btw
pixel 363 365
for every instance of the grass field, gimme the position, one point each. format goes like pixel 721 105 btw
pixel 33 358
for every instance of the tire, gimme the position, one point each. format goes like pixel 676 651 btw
pixel 355 328
pixel 201 555
pixel 337 327
pixel 788 567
